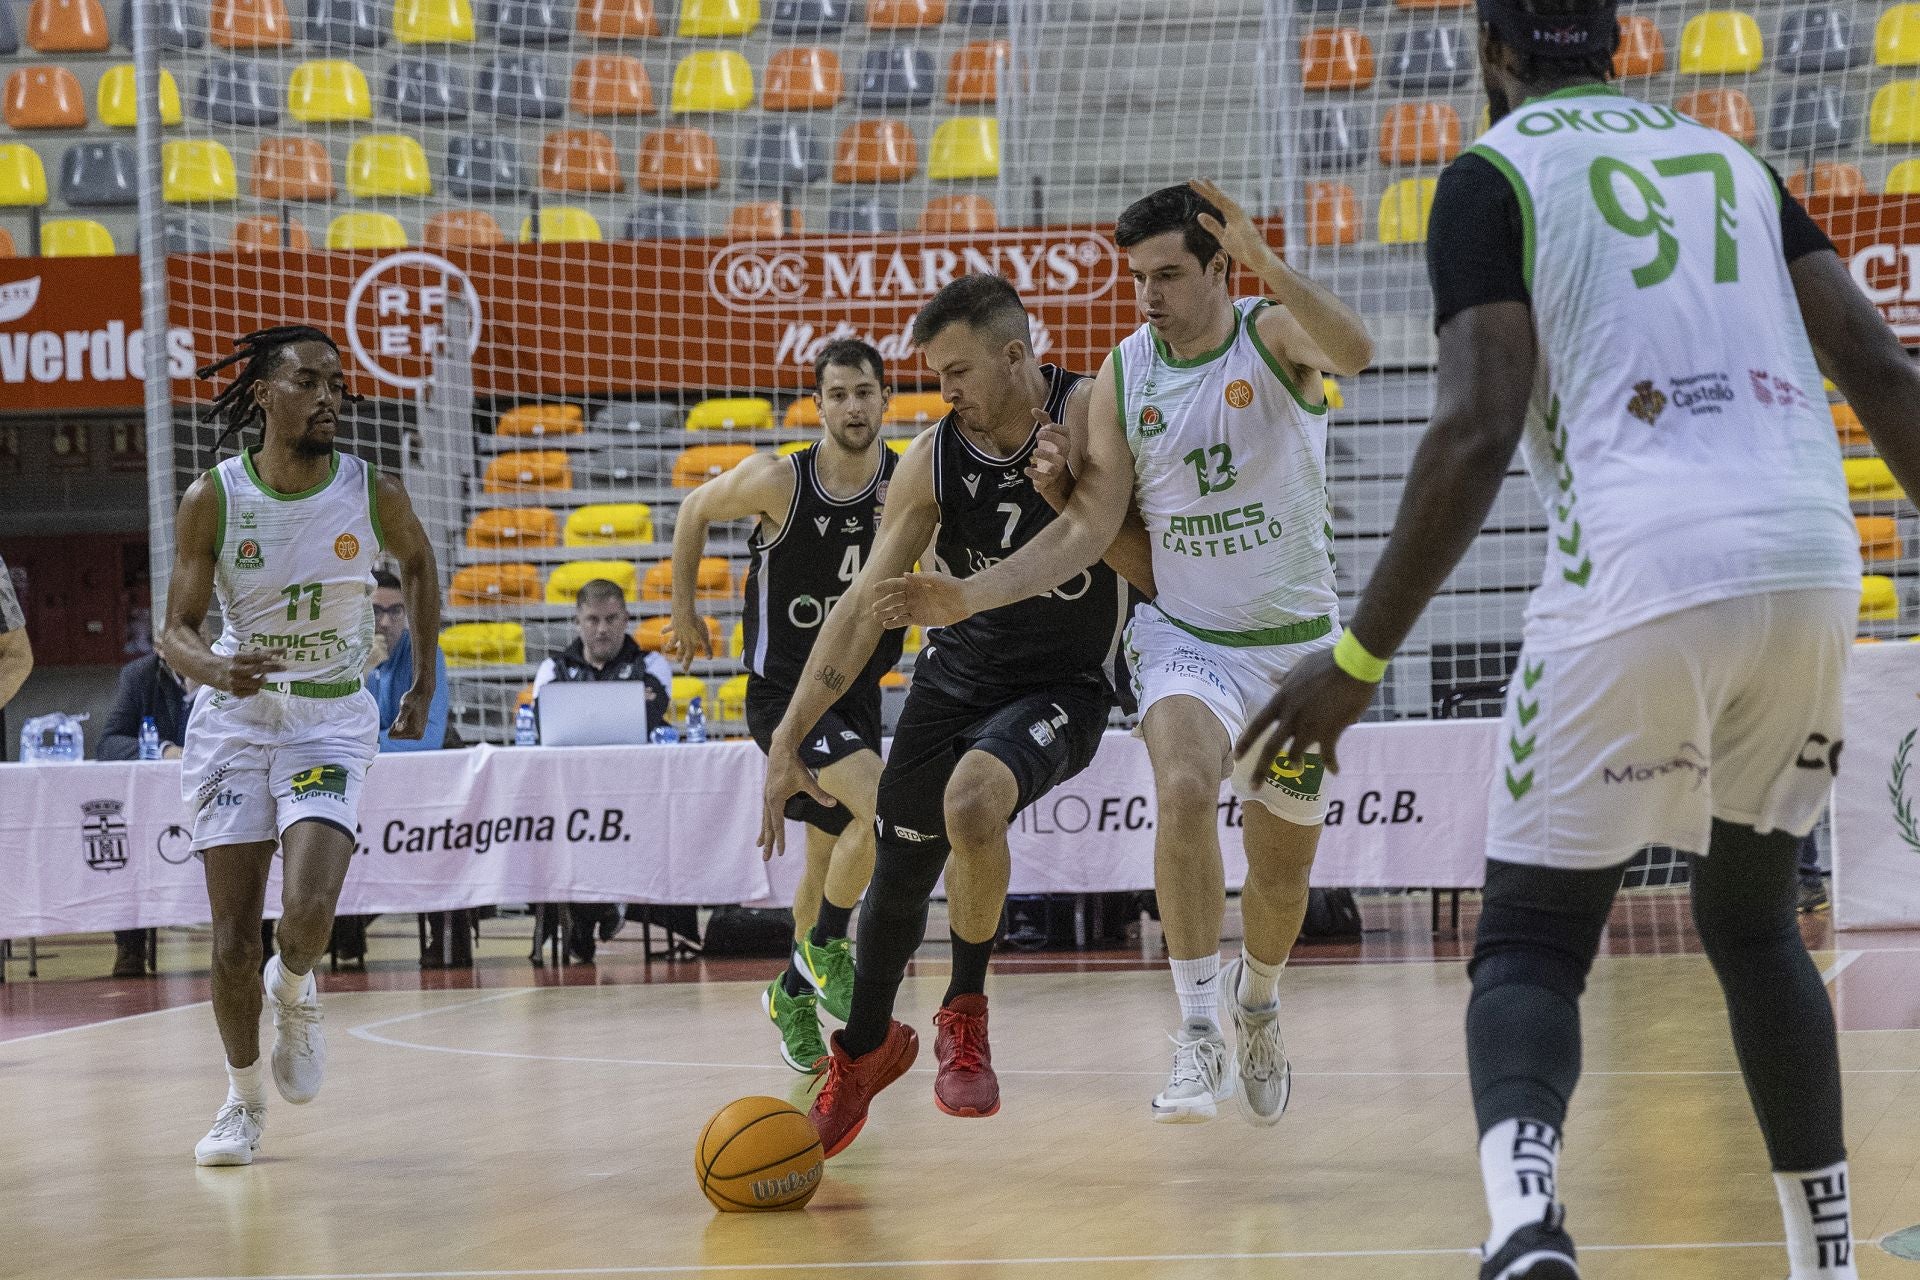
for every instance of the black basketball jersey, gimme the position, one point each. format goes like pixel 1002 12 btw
pixel 989 510
pixel 794 578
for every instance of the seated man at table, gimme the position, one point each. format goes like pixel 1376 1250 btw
pixel 148 687
pixel 602 650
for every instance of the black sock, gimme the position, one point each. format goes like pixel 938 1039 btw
pixel 792 982
pixel 832 923
pixel 893 920
pixel 969 967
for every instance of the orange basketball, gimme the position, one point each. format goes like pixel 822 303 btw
pixel 757 1155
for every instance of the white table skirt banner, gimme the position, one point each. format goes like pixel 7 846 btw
pixel 105 846
pixel 1876 799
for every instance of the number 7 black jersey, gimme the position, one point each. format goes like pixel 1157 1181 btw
pixel 795 577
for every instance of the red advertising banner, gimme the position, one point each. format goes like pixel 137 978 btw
pixel 70 335
pixel 1879 239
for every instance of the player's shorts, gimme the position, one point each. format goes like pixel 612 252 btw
pixel 254 766
pixel 850 726
pixel 1043 736
pixel 1728 710
pixel 1234 682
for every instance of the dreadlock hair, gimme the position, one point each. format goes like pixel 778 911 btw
pixel 236 405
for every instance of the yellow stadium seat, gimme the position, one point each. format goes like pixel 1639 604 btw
pixel 75 238
pixel 610 522
pixel 388 164
pixel 741 414
pixel 541 420
pixel 718 17
pixel 1903 179
pixel 899 446
pixel 1330 388
pixel 1895 115
pixel 966 148
pixel 1720 42
pixel 114 99
pixel 732 697
pixel 23 179
pixel 916 408
pixel 509 528
pixel 495 584
pixel 561 224
pixel 737 640
pixel 792 447
pixel 200 170
pixel 695 466
pixel 433 22
pixel 329 89
pixel 1404 209
pixel 366 231
pixel 685 690
pixel 1896 37
pixel 484 644
pixel 528 471
pixel 1871 480
pixel 712 80
pixel 1879 600
pixel 566 581
pixel 657 582
pixel 1879 537
pixel 913 641
pixel 801 415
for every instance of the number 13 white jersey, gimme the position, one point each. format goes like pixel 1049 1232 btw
pixel 1678 435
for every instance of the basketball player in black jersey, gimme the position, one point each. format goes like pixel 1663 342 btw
pixel 1004 706
pixel 817 511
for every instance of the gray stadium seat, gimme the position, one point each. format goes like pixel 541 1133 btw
pixel 1335 137
pixel 9 36
pixel 525 22
pixel 808 17
pixel 663 220
pixel 483 168
pixel 868 215
pixel 1427 59
pixel 1817 37
pixel 637 418
pixel 980 13
pixel 1811 117
pixel 99 175
pixel 243 93
pixel 347 23
pixel 518 87
pixel 1331 6
pixel 178 26
pixel 900 76
pixel 779 154
pixel 184 233
pixel 420 90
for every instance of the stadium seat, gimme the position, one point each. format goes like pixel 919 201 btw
pixel 761 220
pixel 388 164
pixel 168 19
pixel 1335 137
pixel 1816 37
pixel 679 159
pixel 1428 59
pixel 114 97
pixel 1727 110
pixel 75 238
pixel 778 155
pixel 417 90
pixel 180 233
pixel 1333 215
pixel 1403 211
pixel 561 224
pixel 517 87
pixel 899 446
pixel 973 73
pixel 484 644
pixel 250 24
pixel 701 463
pixel 43 97
pixel 712 80
pixel 876 151
pixel 528 471
pixel 327 90
pixel 913 641
pixel 197 171
pixel 1895 115
pixel 801 414
pixel 896 15
pixel 567 579
pixel 611 84
pixel 979 13
pixel 895 77
pixel 1333 58
pixel 713 580
pixel 1811 117
pixel 601 523
pixel 1879 537
pixel 718 17
pixel 366 231
pixel 534 420
pixel 67 26
pixel 433 22
pixel 741 414
pixel 948 215
pixel 1896 37
pixel 508 528
pixel 637 417
pixel 663 220
pixel 1902 180
pixel 808 18
pixel 483 168
pixel 685 690
pixel 525 22
pixel 1419 133
pixel 657 582
pixel 495 584
pixel 916 408
pixel 237 93
pixel 731 697
pixel 268 235
pixel 651 635
pixel 616 20
pixel 1830 179
pixel 579 160
pixel 807 78
pixel 100 175
pixel 1846 424
pixel 863 215
pixel 1434 4
pixel 1642 50
pixel 1720 42
pixel 23 179
pixel 462 229
pixel 1871 480
pixel 295 168
pixel 345 24
pixel 1879 599
pixel 967 147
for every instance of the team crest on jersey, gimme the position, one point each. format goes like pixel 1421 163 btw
pixel 1648 402
pixel 247 555
pixel 1239 393
pixel 346 546
pixel 1152 421
pixel 880 496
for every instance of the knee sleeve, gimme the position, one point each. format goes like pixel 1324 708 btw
pixel 1744 892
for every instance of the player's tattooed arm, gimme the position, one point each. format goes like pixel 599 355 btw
pixel 834 679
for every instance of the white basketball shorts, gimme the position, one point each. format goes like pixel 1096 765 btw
pixel 254 766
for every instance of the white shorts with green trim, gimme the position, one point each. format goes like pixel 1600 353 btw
pixel 254 766
pixel 1729 710
pixel 1233 681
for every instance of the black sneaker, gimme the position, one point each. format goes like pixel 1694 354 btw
pixel 1813 894
pixel 1538 1251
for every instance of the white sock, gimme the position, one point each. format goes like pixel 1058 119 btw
pixel 1519 1160
pixel 292 988
pixel 1259 982
pixel 1195 982
pixel 1819 1217
pixel 248 1085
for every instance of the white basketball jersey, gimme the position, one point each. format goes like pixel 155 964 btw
pixel 294 572
pixel 1678 434
pixel 1230 472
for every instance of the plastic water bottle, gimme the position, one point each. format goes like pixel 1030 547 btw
pixel 525 732
pixel 664 735
pixel 696 721
pixel 66 743
pixel 149 739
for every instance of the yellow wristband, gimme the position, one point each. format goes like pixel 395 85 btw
pixel 1352 657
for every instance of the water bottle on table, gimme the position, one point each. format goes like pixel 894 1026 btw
pixel 696 721
pixel 525 732
pixel 149 739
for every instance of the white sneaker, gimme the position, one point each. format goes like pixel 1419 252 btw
pixel 235 1135
pixel 1266 1077
pixel 1202 1075
pixel 299 1047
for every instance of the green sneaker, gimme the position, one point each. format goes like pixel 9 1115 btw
pixel 828 969
pixel 798 1018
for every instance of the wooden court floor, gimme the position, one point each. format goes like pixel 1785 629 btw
pixel 546 1131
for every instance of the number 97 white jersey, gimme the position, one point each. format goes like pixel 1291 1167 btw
pixel 1677 435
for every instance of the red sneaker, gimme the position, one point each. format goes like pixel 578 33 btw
pixel 966 1085
pixel 840 1109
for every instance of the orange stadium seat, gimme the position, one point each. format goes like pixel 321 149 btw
pixel 895 15
pixel 579 160
pixel 1846 424
pixel 1728 110
pixel 1830 178
pixel 461 228
pixel 803 79
pixel 762 220
pixel 611 85
pixel 68 26
pixel 973 73
pixel 894 680
pixel 616 20
pixel 1879 538
pixel 1420 133
pixel 45 98
pixel 507 528
pixel 250 24
pixel 916 408
pixel 657 582
pixel 524 471
pixel 1335 58
pixel 701 463
pixel 713 580
pixel 876 151
pixel 292 169
pixel 6 244
pixel 495 584
pixel 679 159
pixel 651 634
pixel 268 235
pixel 802 414
pixel 1642 50
pixel 948 215
pixel 541 420
pixel 1333 215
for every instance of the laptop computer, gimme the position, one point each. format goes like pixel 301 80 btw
pixel 592 713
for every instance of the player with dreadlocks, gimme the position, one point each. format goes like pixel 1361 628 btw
pixel 286 534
